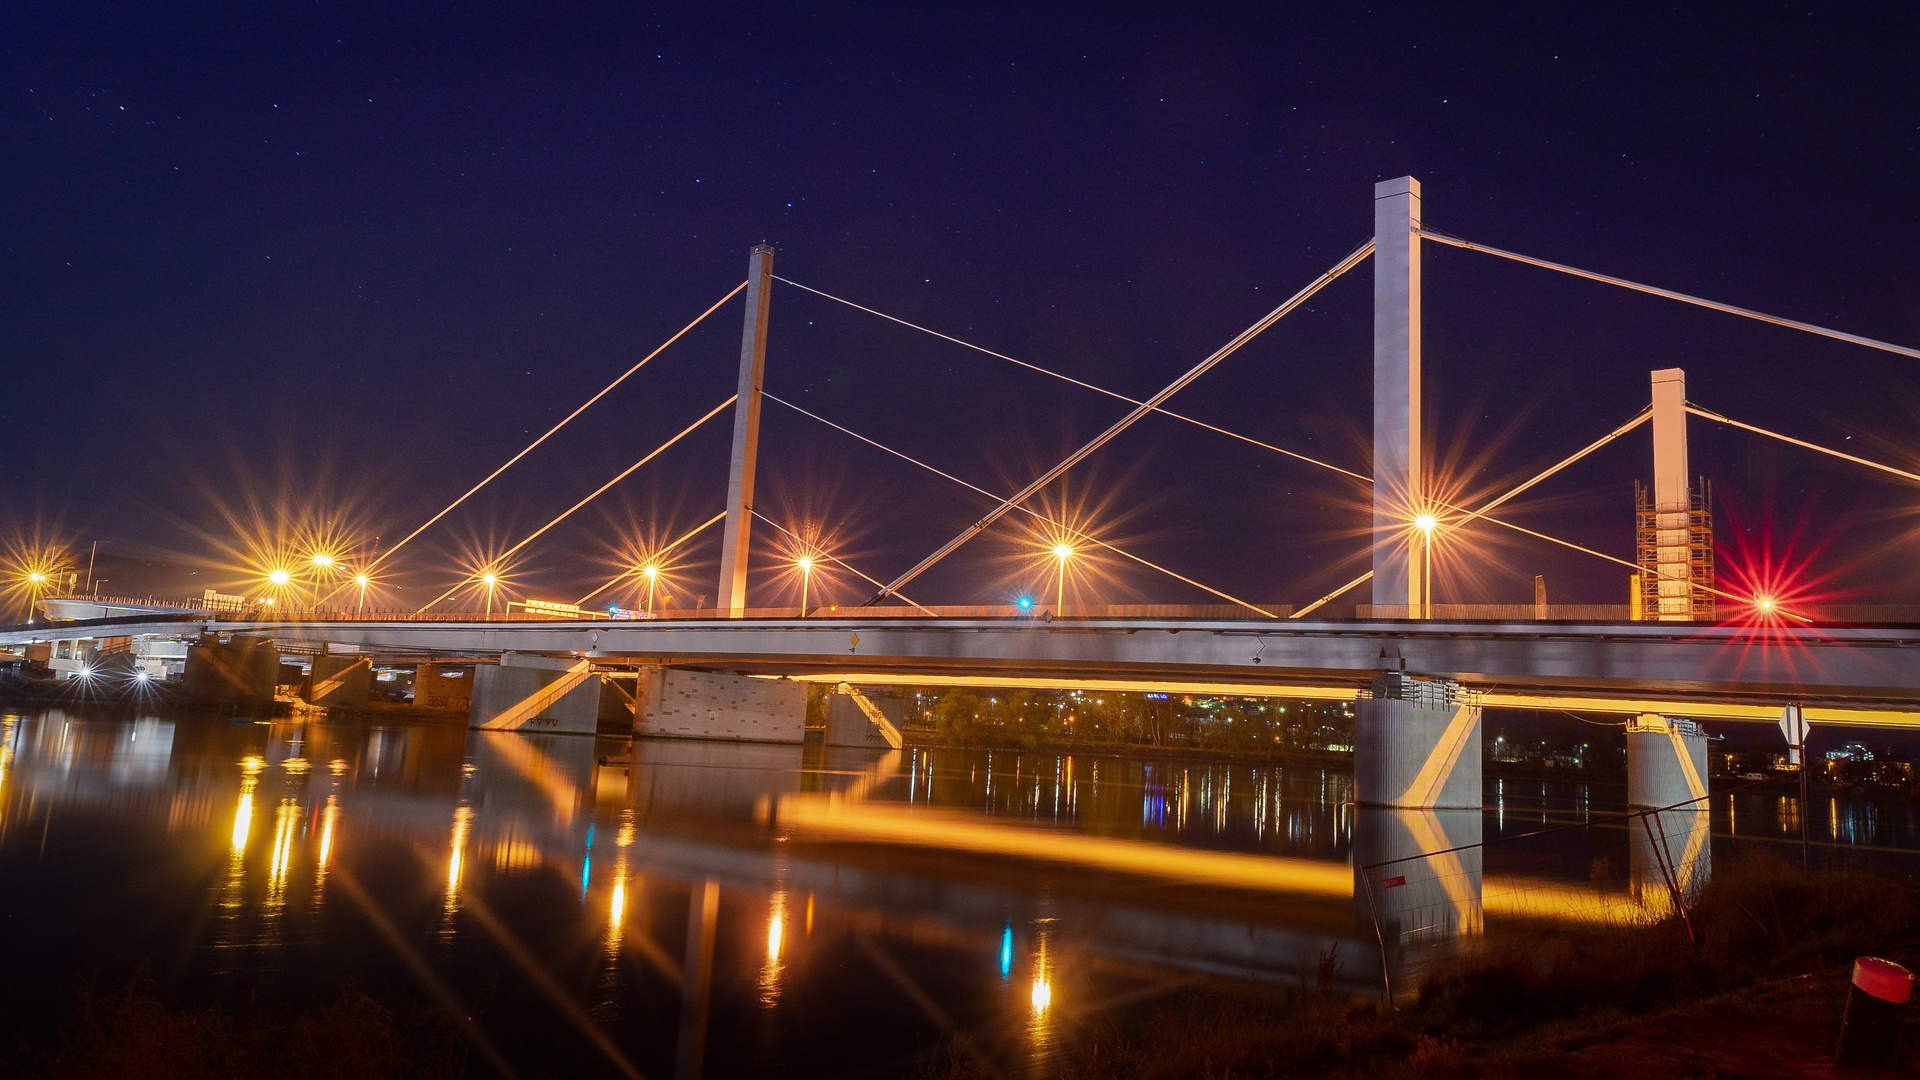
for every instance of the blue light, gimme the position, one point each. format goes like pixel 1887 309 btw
pixel 1026 603
pixel 1006 951
pixel 586 875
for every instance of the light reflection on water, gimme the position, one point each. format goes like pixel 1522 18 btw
pixel 865 901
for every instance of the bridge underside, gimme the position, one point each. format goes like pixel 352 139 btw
pixel 1851 668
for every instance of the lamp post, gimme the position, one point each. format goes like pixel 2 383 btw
pixel 653 577
pixel 1062 552
pixel 806 578
pixel 35 580
pixel 361 581
pixel 1426 523
pixel 323 566
pixel 491 580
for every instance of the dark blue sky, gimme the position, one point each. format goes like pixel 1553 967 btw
pixel 345 261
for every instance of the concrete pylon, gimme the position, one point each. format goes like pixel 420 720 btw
pixel 1416 744
pixel 1398 492
pixel 732 596
pixel 1672 496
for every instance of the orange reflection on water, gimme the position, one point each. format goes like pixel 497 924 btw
pixel 462 826
pixel 327 819
pixel 771 971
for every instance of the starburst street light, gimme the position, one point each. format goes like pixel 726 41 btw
pixel 361 580
pixel 279 577
pixel 1061 553
pixel 490 579
pixel 653 578
pixel 805 565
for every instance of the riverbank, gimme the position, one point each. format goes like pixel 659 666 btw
pixel 1757 991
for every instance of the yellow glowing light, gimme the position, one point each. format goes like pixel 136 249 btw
pixel 651 571
pixel 1062 552
pixel 279 577
pixel 1042 994
pixel 361 581
pixel 618 909
pixel 489 580
pixel 36 577
pixel 805 562
pixel 266 600
pixel 776 926
pixel 1766 603
pixel 1425 522
pixel 324 562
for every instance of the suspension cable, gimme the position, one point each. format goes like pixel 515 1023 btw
pixel 1710 415
pixel 1127 421
pixel 830 557
pixel 611 582
pixel 1023 509
pixel 1070 379
pixel 1791 324
pixel 568 512
pixel 368 569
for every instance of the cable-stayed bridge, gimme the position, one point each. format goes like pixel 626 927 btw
pixel 1684 647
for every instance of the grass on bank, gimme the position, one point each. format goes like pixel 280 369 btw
pixel 1528 1000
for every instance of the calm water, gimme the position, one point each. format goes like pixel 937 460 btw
pixel 831 912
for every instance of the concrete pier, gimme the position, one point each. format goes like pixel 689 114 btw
pixel 1670 851
pixel 712 705
pixel 339 680
pixel 527 692
pixel 850 724
pixel 1416 745
pixel 241 671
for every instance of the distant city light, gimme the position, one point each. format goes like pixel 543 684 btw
pixel 279 577
pixel 36 577
pixel 324 562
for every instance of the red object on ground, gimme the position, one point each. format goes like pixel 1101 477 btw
pixel 1883 979
pixel 1870 1028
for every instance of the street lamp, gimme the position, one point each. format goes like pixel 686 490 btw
pixel 653 578
pixel 1061 552
pixel 361 581
pixel 1426 523
pixel 805 564
pixel 490 580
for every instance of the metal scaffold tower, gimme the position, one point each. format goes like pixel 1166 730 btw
pixel 1676 567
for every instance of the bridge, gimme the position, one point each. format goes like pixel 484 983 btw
pixel 1684 647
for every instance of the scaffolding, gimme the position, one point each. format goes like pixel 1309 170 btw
pixel 1695 544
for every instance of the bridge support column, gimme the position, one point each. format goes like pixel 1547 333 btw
pixel 1399 570
pixel 1416 745
pixel 732 597
pixel 1670 851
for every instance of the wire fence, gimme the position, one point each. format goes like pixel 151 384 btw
pixel 1424 879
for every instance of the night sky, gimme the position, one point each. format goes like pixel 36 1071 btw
pixel 268 266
